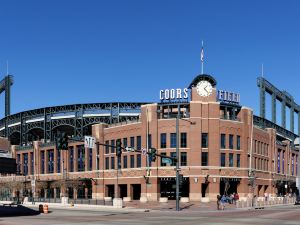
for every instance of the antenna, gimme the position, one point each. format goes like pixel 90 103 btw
pixel 202 58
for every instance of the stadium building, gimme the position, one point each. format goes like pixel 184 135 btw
pixel 223 147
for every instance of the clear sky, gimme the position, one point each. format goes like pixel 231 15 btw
pixel 65 52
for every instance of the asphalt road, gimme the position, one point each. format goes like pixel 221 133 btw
pixel 288 215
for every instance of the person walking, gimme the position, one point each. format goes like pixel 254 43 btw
pixel 223 202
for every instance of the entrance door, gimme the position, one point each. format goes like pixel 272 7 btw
pixel 136 191
pixel 123 190
pixel 110 190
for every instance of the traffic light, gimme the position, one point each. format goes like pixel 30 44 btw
pixel 153 154
pixel 119 148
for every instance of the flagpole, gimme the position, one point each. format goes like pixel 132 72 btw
pixel 202 59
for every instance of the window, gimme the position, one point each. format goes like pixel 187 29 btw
pixel 223 158
pixel 132 161
pixel 81 158
pixel 163 140
pixel 25 171
pixel 149 141
pixel 238 142
pixel 223 141
pixel 138 143
pixel 112 163
pixel 107 163
pixel 51 161
pixel 43 162
pixel 230 159
pixel 32 162
pixel 161 163
pixel 283 161
pixel 138 161
pixel 183 159
pixel 173 140
pixel 107 147
pixel 19 163
pixel 173 155
pixel 71 158
pixel 119 162
pixel 132 142
pixel 112 149
pixel 58 161
pixel 183 141
pixel 204 158
pixel 125 142
pixel 278 162
pixel 204 140
pixel 125 161
pixel 90 159
pixel 293 158
pixel 238 160
pixel 230 141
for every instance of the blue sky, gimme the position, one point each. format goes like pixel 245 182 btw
pixel 65 52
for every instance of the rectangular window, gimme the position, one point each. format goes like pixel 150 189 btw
pixel 132 142
pixel 112 162
pixel 138 143
pixel 238 142
pixel 204 140
pixel 293 158
pixel 81 158
pixel 58 161
pixel 119 162
pixel 173 140
pixel 163 140
pixel 183 159
pixel 107 147
pixel 107 163
pixel 125 161
pixel 161 163
pixel 25 171
pixel 125 142
pixel 42 162
pixel 138 161
pixel 183 140
pixel 132 161
pixel 149 141
pixel 204 158
pixel 238 160
pixel 283 161
pixel 71 158
pixel 173 155
pixel 230 141
pixel 223 159
pixel 18 164
pixel 278 162
pixel 112 148
pixel 32 162
pixel 51 161
pixel 230 159
pixel 90 159
pixel 223 141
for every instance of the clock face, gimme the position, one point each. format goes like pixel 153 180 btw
pixel 204 88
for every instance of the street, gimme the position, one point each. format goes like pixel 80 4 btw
pixel 289 215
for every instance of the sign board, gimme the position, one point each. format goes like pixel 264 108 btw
pixel 129 149
pixel 230 97
pixel 144 151
pixel 166 160
pixel 173 94
pixel 89 142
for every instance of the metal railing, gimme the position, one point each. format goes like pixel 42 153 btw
pixel 90 201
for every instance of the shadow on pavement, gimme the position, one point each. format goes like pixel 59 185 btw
pixel 19 210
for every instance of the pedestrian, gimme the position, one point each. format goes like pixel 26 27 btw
pixel 236 197
pixel 218 201
pixel 223 201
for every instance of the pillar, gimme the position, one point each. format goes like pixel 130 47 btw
pixel 292 119
pixel 273 108
pixel 195 189
pixel 283 115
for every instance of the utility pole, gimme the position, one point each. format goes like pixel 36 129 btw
pixel 177 161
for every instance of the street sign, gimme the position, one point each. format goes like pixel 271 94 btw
pixel 89 142
pixel 166 160
pixel 144 151
pixel 129 149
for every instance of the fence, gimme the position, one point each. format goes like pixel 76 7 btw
pixel 90 202
pixel 261 202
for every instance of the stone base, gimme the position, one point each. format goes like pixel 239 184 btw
pixel 64 200
pixel 118 203
pixel 25 200
pixel 97 196
pixel 195 196
pixel 143 199
pixel 163 200
pixel 127 199
pixel 184 200
pixel 107 199
pixel 205 200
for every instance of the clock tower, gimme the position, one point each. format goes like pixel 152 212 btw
pixel 203 89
